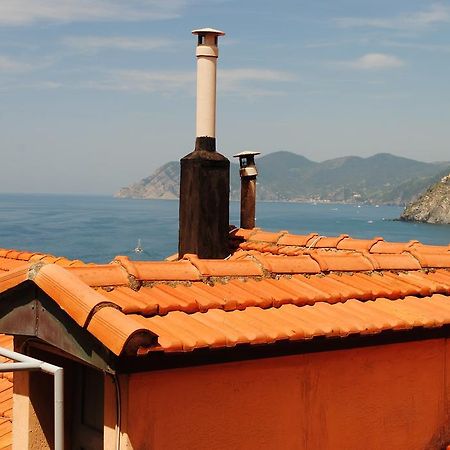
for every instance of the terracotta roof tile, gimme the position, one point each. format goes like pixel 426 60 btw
pixel 433 249
pixel 165 270
pixel 432 260
pixel 365 283
pixel 266 236
pixel 241 233
pixel 116 330
pixel 290 250
pixel 357 244
pixel 73 263
pixel 10 264
pixel 391 247
pixel 75 297
pixel 440 275
pixel 274 287
pixel 13 277
pixel 24 256
pixel 428 280
pixel 220 268
pixel 12 254
pixel 382 287
pixel 295 239
pixel 272 248
pixel 257 326
pixel 130 301
pixel 342 262
pixel 326 242
pixel 100 275
pixel 401 261
pixel 283 264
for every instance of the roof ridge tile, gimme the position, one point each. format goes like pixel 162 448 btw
pixel 327 242
pixel 100 274
pixel 120 333
pixel 296 239
pixel 432 260
pixel 182 270
pixel 243 233
pixel 396 261
pixel 130 269
pixel 356 244
pixel 346 262
pixel 267 236
pixel 70 293
pixel 283 264
pixel 225 268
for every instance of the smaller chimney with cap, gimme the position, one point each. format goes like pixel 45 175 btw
pixel 248 173
pixel 205 174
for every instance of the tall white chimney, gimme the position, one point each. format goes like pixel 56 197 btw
pixel 207 53
pixel 205 173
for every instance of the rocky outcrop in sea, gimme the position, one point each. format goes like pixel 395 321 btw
pixel 433 206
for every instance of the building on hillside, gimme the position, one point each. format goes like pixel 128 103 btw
pixel 247 339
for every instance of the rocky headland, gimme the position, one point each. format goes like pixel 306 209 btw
pixel 433 206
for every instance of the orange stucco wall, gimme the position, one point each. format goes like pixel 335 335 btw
pixel 384 397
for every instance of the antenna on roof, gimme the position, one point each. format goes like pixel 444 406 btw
pixel 138 248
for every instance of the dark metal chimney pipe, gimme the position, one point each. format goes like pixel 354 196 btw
pixel 205 173
pixel 248 173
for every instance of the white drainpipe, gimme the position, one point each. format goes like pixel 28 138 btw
pixel 28 363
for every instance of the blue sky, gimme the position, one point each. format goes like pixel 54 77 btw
pixel 96 94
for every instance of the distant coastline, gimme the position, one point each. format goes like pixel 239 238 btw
pixel 382 179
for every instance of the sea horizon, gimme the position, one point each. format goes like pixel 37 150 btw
pixel 96 228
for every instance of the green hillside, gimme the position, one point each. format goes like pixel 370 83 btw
pixel 285 176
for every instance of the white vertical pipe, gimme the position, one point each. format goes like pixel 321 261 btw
pixel 207 54
pixel 29 363
pixel 206 96
pixel 59 408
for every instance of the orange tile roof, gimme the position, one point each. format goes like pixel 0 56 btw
pixel 273 287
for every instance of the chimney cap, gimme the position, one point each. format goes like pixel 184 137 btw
pixel 208 31
pixel 246 153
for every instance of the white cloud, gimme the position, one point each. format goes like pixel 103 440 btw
pixel 168 82
pixel 10 65
pixel 234 75
pixel 145 81
pixel 23 12
pixel 16 84
pixel 374 61
pixel 249 81
pixel 417 46
pixel 94 43
pixel 437 13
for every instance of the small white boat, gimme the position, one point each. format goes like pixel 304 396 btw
pixel 138 248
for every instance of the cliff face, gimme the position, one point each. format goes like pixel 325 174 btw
pixel 164 183
pixel 433 206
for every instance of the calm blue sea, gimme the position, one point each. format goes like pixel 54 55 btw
pixel 94 228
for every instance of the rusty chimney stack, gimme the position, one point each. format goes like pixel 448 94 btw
pixel 248 173
pixel 205 173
